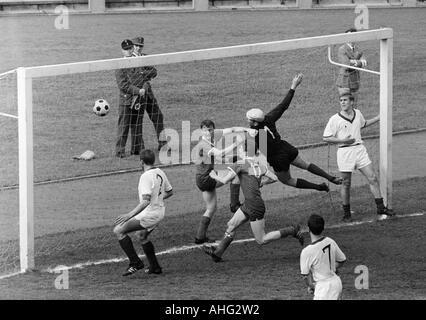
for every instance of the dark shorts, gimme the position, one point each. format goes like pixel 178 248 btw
pixel 283 157
pixel 205 182
pixel 253 206
pixel 253 211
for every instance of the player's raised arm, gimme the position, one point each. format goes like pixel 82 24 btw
pixel 222 152
pixel 227 131
pixel 278 111
pixel 371 121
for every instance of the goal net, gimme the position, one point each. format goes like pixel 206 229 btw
pixel 59 210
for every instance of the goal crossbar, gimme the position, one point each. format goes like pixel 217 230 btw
pixel 25 106
pixel 207 54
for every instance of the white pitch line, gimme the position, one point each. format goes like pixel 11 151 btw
pixel 195 246
pixel 8 115
pixel 11 275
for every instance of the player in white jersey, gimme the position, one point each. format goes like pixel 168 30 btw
pixel 153 188
pixel 344 129
pixel 319 262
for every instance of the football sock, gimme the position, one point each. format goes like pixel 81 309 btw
pixel 235 197
pixel 379 203
pixel 319 172
pixel 127 246
pixel 202 228
pixel 223 245
pixel 303 184
pixel 148 248
pixel 347 209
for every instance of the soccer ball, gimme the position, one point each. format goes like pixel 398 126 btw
pixel 101 107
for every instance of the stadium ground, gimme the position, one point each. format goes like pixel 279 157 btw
pixel 388 249
pixel 90 206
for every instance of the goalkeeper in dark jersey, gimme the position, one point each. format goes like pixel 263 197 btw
pixel 281 154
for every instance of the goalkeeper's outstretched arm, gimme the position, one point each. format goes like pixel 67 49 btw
pixel 278 111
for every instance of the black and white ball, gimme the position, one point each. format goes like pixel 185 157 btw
pixel 101 107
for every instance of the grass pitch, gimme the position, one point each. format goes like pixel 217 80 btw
pixel 389 250
pixel 221 90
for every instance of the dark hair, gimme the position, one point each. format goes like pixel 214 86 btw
pixel 207 123
pixel 147 157
pixel 351 97
pixel 316 224
pixel 351 30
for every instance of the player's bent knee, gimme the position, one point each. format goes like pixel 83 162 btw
pixel 117 230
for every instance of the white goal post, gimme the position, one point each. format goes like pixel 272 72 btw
pixel 25 106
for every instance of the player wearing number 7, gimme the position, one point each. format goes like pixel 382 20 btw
pixel 319 262
pixel 153 188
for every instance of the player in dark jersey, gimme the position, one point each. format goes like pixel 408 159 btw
pixel 280 154
pixel 206 154
pixel 249 173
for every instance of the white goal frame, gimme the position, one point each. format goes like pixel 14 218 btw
pixel 25 107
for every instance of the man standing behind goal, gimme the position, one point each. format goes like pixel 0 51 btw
pixel 129 116
pixel 319 262
pixel 148 101
pixel 153 188
pixel 349 79
pixel 344 129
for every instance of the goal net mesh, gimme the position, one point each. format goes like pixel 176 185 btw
pixel 76 201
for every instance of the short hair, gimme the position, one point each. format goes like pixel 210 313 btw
pixel 148 157
pixel 316 224
pixel 351 97
pixel 208 123
pixel 351 30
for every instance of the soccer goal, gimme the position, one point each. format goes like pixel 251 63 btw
pixel 54 122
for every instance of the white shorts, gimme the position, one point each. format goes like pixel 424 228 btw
pixel 329 289
pixel 350 159
pixel 149 218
